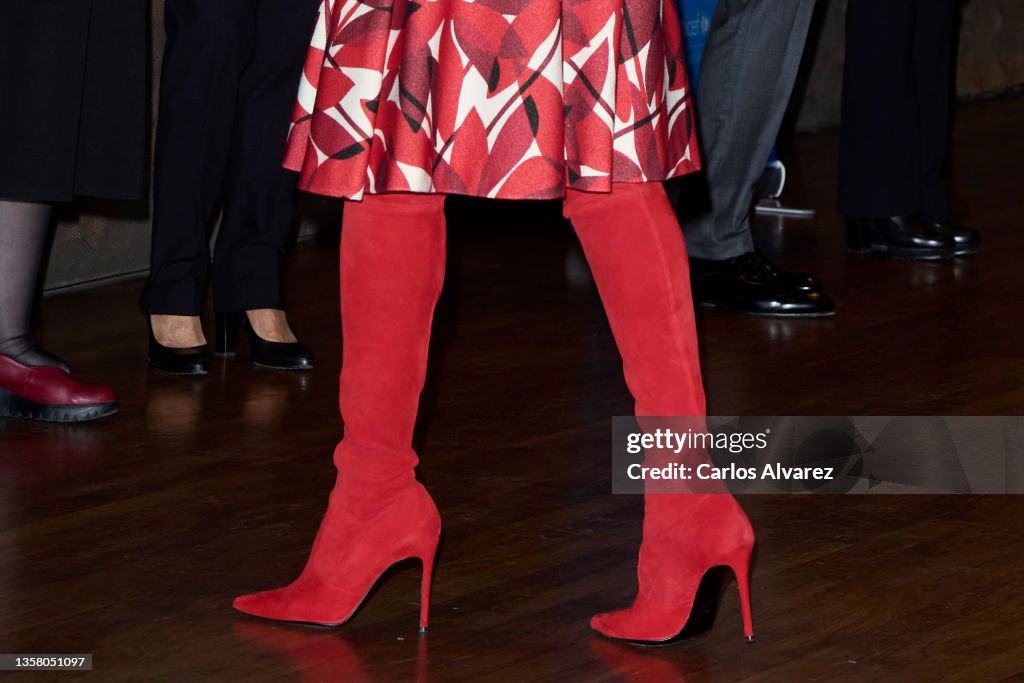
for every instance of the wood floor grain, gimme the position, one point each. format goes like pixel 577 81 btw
pixel 128 538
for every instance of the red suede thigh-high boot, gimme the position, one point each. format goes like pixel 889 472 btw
pixel 392 270
pixel 636 252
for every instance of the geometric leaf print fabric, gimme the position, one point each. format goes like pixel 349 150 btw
pixel 494 98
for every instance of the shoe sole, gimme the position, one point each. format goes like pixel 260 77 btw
pixel 726 308
pixel 12 405
pixel 290 368
pixel 179 373
pixel 906 254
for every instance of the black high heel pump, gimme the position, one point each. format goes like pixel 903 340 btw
pixel 190 361
pixel 265 354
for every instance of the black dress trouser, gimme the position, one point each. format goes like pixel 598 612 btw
pixel 72 99
pixel 897 90
pixel 231 71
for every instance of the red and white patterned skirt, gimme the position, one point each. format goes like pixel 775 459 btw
pixel 512 99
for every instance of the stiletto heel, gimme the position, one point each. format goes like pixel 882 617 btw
pixel 425 585
pixel 681 603
pixel 330 589
pixel 228 325
pixel 740 565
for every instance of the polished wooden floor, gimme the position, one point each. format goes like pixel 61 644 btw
pixel 128 538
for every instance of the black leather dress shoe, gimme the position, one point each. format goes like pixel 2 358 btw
pixel 967 241
pixel 787 280
pixel 900 237
pixel 752 285
pixel 190 361
pixel 266 354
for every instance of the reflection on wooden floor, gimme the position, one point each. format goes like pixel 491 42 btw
pixel 128 538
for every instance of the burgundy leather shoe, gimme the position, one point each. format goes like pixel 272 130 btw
pixel 50 394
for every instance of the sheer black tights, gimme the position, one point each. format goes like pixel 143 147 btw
pixel 23 228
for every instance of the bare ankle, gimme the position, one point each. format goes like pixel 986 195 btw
pixel 178 331
pixel 271 324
